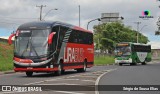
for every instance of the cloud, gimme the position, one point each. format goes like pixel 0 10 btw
pixel 155 45
pixel 15 12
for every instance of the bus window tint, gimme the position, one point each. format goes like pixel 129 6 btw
pixel 81 37
pixel 90 38
pixel 140 48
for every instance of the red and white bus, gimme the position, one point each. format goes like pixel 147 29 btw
pixel 52 47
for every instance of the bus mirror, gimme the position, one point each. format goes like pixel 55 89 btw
pixel 50 37
pixel 10 39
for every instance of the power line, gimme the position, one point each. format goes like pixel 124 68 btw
pixel 15 18
pixel 41 7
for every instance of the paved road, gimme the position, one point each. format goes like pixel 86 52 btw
pixel 101 75
pixel 69 78
pixel 133 75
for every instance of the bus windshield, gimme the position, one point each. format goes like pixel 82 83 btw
pixel 123 51
pixel 31 43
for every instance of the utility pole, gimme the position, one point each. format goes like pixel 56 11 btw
pixel 41 7
pixel 138 23
pixel 79 16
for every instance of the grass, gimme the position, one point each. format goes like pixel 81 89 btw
pixel 6 56
pixel 103 60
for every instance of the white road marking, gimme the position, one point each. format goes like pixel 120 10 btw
pixel 42 81
pixel 66 92
pixel 35 83
pixel 88 76
pixel 88 80
pixel 59 84
pixel 71 76
pixel 70 79
pixel 78 75
pixel 98 79
pixel 54 84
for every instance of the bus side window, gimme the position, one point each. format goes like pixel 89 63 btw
pixel 80 37
pixel 88 38
pixel 73 38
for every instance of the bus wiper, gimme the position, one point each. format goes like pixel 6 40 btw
pixel 35 50
pixel 25 48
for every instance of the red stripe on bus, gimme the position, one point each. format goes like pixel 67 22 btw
pixel 35 69
pixel 72 67
pixel 23 60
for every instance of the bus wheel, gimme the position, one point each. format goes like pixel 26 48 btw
pixel 29 74
pixel 84 67
pixel 120 64
pixel 59 71
pixel 133 63
pixel 144 63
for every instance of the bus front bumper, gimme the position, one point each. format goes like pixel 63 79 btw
pixel 123 61
pixel 35 69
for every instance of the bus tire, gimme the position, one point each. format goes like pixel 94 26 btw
pixel 29 73
pixel 59 71
pixel 84 67
pixel 144 63
pixel 120 64
pixel 134 63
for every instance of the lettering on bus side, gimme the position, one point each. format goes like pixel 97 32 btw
pixel 73 54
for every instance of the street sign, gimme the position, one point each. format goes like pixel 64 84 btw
pixel 109 17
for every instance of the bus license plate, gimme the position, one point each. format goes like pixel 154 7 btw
pixel 29 68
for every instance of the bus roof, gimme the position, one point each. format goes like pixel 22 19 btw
pixel 48 25
pixel 134 43
pixel 141 44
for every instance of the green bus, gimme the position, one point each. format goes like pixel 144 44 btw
pixel 132 53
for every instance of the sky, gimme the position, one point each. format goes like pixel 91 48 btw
pixel 16 12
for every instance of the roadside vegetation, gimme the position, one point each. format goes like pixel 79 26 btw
pixel 6 56
pixel 103 60
pixel 108 34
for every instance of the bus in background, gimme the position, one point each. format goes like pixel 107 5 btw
pixel 52 47
pixel 132 53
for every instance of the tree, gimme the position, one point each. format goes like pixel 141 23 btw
pixel 108 34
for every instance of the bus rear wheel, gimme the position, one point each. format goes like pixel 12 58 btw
pixel 84 67
pixel 144 63
pixel 29 74
pixel 133 63
pixel 120 64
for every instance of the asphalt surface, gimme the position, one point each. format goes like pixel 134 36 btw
pixel 69 78
pixel 98 75
pixel 132 75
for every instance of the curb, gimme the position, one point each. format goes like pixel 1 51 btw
pixel 7 72
pixel 104 64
